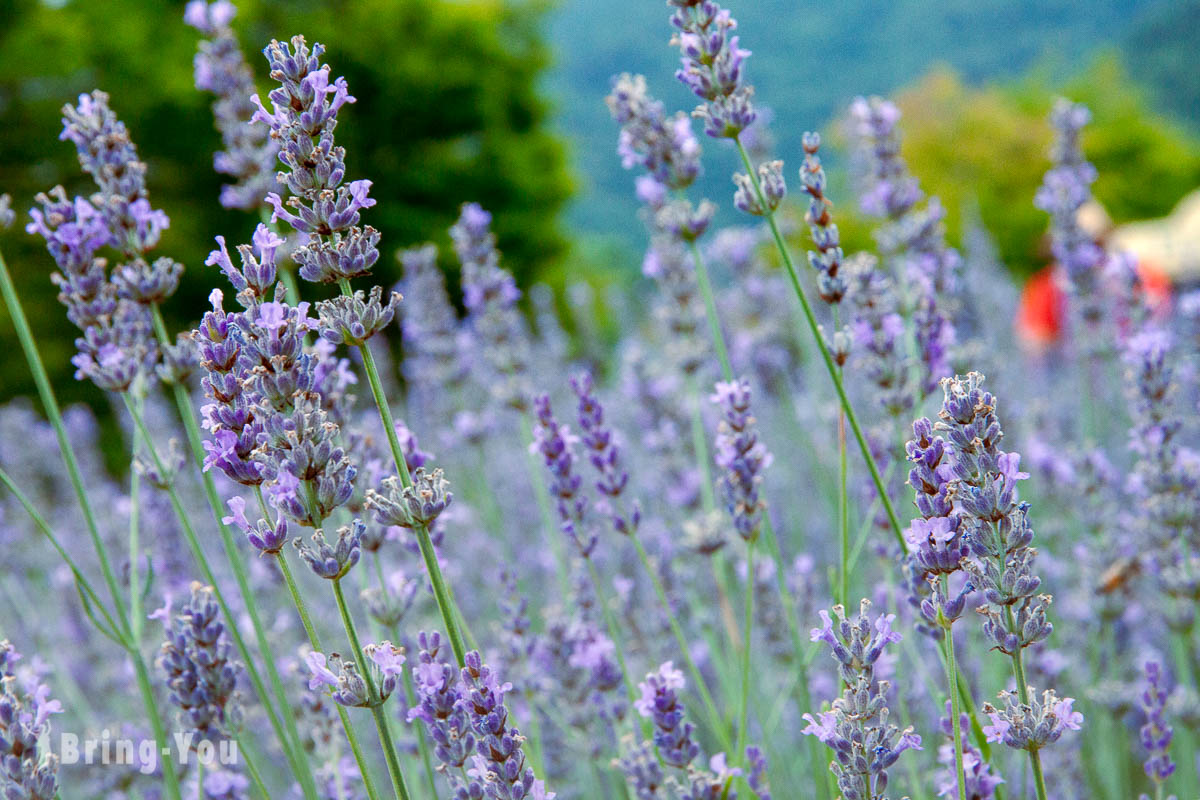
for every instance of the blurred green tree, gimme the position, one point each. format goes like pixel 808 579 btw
pixel 986 148
pixel 449 110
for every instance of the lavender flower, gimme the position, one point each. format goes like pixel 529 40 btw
pixel 864 743
pixel 490 295
pixel 1033 726
pixel 756 761
pixel 428 323
pixel 664 147
pixel 605 456
pixel 26 769
pixel 411 506
pixel 712 66
pixel 742 457
pixel 1156 733
pixel 555 443
pixel 200 674
pixel 220 68
pixel 831 286
pixel 983 488
pixel 264 537
pixel 332 563
pixel 353 319
pixel 305 108
pixel 770 181
pixel 660 703
pixel 978 781
pixel 680 311
pixel 344 679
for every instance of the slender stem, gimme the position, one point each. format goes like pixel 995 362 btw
pixel 1035 760
pixel 700 445
pixel 298 760
pixel 611 623
pixel 441 590
pixel 542 495
pixel 315 642
pixel 823 348
pixel 710 311
pixel 385 734
pixel 710 708
pixel 255 776
pixel 135 589
pixel 282 721
pixel 747 628
pixel 50 404
pixel 952 688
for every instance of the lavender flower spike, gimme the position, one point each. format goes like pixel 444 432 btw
pixel 864 743
pixel 220 68
pixel 200 674
pixel 605 455
pixel 831 285
pixel 1156 734
pixel 712 66
pixel 27 771
pixel 664 146
pixel 660 702
pixel 742 457
pixel 555 443
pixel 304 115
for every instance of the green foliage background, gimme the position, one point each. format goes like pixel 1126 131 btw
pixel 449 110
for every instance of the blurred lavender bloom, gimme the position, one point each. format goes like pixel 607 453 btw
pixel 1031 727
pixel 221 68
pixel 555 443
pixel 199 672
pixel 979 783
pixel 344 679
pixel 428 323
pixel 441 707
pixel 742 456
pixel 490 295
pixel 605 456
pixel 660 703
pixel 27 770
pixel 664 147
pixel 411 506
pixel 680 310
pixel 712 66
pixel 770 181
pixel 1156 733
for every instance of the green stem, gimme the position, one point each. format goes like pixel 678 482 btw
pixel 255 776
pixel 710 708
pixel 50 404
pixel 385 734
pixel 744 714
pixel 441 590
pixel 282 721
pixel 823 348
pixel 135 589
pixel 1035 760
pixel 710 311
pixel 952 688
pixel 314 641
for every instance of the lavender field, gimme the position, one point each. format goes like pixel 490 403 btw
pixel 822 523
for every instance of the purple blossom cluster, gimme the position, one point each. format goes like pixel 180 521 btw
pixel 325 673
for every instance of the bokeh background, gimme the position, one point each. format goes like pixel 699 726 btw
pixel 502 103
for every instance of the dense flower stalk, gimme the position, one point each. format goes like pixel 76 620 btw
pixel 490 295
pixel 429 326
pixel 865 743
pixel 664 146
pixel 827 260
pixel 555 443
pixel 659 702
pixel 741 456
pixel 604 453
pixel 712 66
pixel 221 69
pixel 302 120
pixel 196 660
pixel 1156 733
pixel 27 770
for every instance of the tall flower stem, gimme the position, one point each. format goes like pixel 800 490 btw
pixel 823 348
pixel 747 643
pixel 314 641
pixel 381 723
pixel 710 707
pixel 952 688
pixel 135 588
pixel 255 776
pixel 50 404
pixel 281 721
pixel 710 311
pixel 843 499
pixel 1035 760
pixel 441 590
pixel 285 731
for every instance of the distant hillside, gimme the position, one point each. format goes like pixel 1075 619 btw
pixel 809 59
